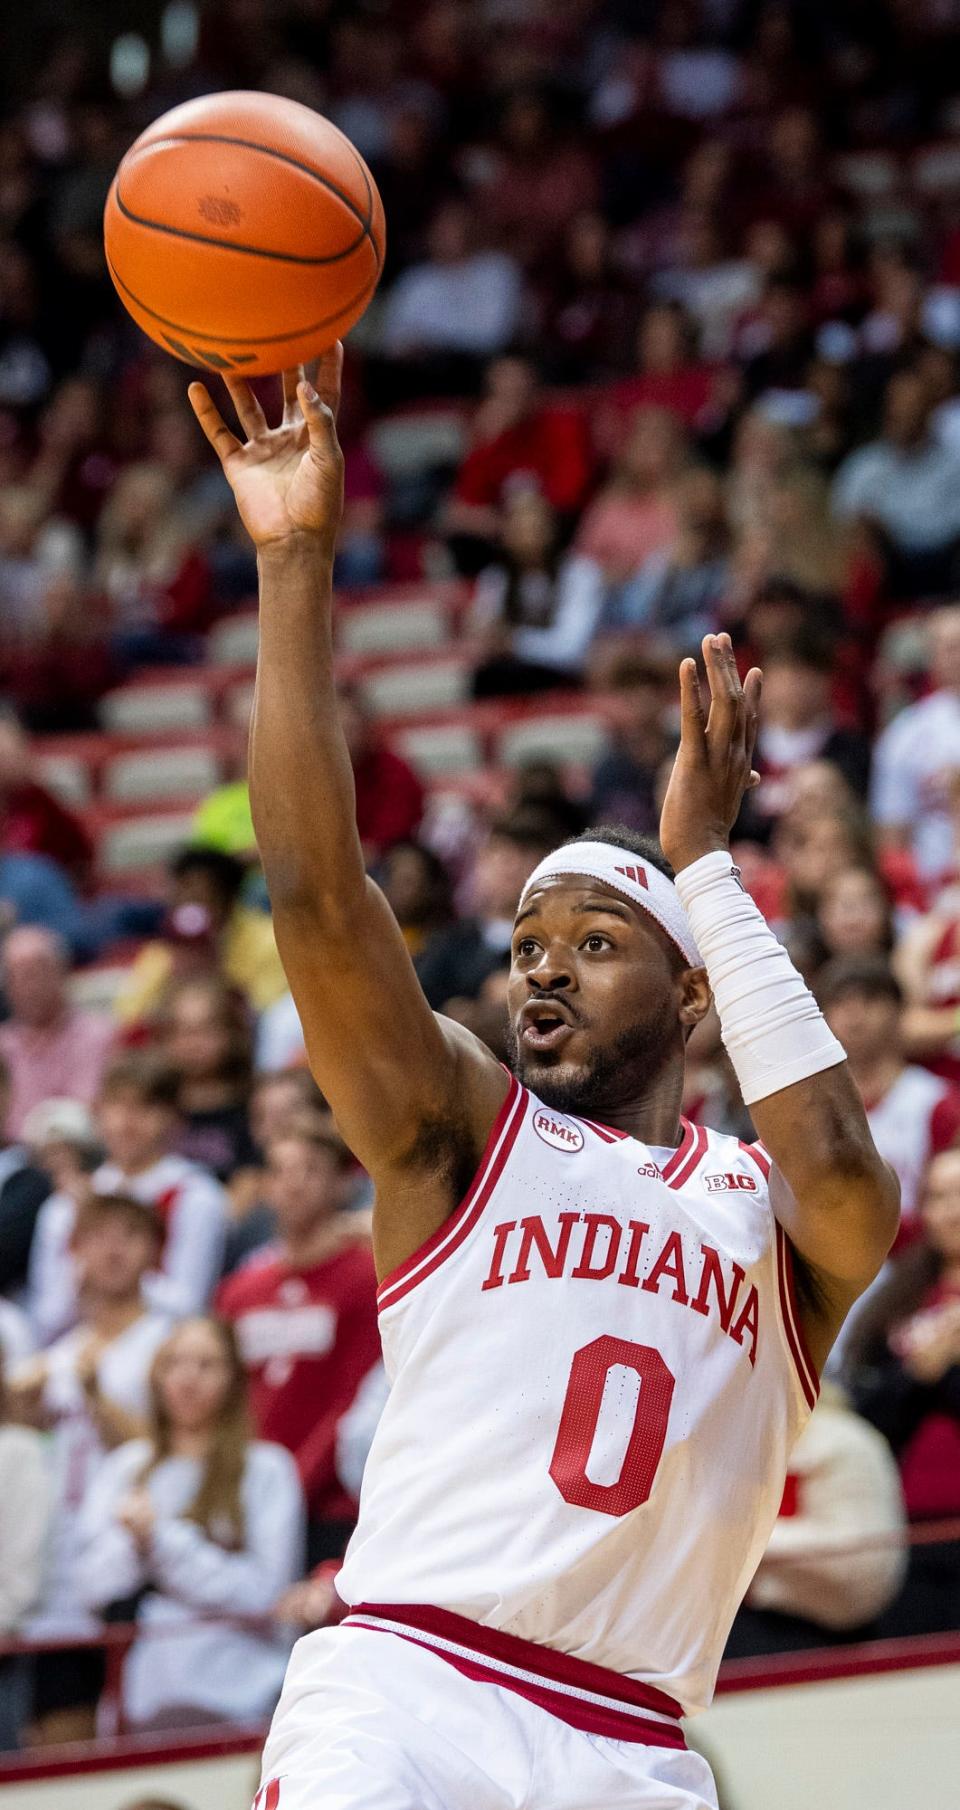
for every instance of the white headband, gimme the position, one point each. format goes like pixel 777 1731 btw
pixel 628 874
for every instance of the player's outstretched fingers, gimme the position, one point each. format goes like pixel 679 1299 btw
pixel 292 380
pixel 319 417
pixel 692 720
pixel 330 377
pixel 249 413
pixel 224 443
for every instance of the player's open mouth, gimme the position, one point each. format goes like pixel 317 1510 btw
pixel 544 1028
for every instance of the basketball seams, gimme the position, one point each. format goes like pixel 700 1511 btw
pixel 253 144
pixel 253 251
pixel 243 339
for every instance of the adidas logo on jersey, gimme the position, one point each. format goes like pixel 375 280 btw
pixel 733 1182
pixel 636 874
pixel 652 1169
pixel 558 1133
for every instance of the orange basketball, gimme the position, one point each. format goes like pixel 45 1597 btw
pixel 244 233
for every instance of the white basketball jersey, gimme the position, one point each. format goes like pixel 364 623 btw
pixel 597 1373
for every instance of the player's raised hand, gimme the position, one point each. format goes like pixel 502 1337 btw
pixel 713 767
pixel 288 479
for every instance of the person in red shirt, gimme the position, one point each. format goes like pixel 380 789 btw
pixel 305 1313
pixel 389 794
pixel 32 820
pixel 517 435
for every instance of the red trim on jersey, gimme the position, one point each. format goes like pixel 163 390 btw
pixel 761 1157
pixel 687 1157
pixel 687 1140
pixel 793 1325
pixel 606 1132
pixel 585 1695
pixel 454 1230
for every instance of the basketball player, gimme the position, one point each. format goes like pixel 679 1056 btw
pixel 602 1326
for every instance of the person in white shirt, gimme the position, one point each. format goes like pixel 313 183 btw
pixel 207 1522
pixel 89 1390
pixel 137 1117
pixel 460 300
pixel 908 483
pixel 917 757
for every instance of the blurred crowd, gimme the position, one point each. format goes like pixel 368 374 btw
pixel 668 342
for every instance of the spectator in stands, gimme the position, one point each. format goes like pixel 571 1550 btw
pixel 909 484
pixel 388 793
pixel 24 1187
pixel 916 754
pixel 417 887
pixel 34 890
pixel 459 960
pixel 50 1046
pixel 276 1098
pixel 197 1520
pixel 797 726
pixel 90 1388
pixel 460 306
pixel 639 691
pixel 928 965
pixel 139 1122
pixel 25 1503
pixel 834 1561
pixel 634 516
pixel 913 1114
pixel 854 914
pixel 518 438
pixel 587 309
pixel 904 1363
pixel 206 1036
pixel 305 1316
pixel 532 178
pixel 677 594
pixel 535 609
pixel 668 375
pixel 32 820
pixel 158 584
pixel 245 952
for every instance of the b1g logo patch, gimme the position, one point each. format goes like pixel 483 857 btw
pixel 557 1132
pixel 734 1182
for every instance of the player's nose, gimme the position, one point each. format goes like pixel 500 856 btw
pixel 554 971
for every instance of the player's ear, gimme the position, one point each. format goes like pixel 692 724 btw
pixel 695 996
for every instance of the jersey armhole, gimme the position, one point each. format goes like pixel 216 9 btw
pixel 460 1223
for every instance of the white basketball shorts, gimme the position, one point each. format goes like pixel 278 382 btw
pixel 373 1720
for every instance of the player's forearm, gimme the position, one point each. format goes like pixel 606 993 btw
pixel 301 781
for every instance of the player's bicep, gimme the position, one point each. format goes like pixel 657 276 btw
pixel 376 1050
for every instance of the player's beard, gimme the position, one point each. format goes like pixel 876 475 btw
pixel 614 1076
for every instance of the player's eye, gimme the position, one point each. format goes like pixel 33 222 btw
pixel 595 943
pixel 526 947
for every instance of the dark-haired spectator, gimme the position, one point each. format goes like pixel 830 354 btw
pixel 24 1186
pixel 139 1120
pixel 206 1035
pixel 916 756
pixel 797 726
pixel 912 1114
pixel 238 941
pixel 518 439
pixel 50 1046
pixel 909 484
pixel 458 960
pixel 903 1359
pixel 276 1098
pixel 634 516
pixel 32 820
pixel 855 913
pixel 587 310
pixel 677 595
pixel 304 1310
pixel 157 581
pixel 535 608
pixel 669 375
pixel 389 796
pixel 639 692
pixel 196 1520
pixel 775 349
pixel 417 887
pixel 532 177
pixel 90 1389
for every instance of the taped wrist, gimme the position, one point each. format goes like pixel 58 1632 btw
pixel 772 1027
